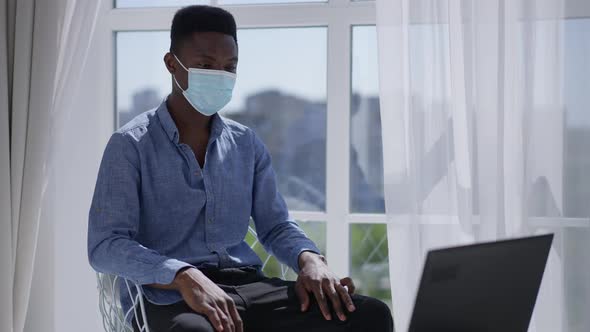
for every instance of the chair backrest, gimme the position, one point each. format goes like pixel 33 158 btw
pixel 113 317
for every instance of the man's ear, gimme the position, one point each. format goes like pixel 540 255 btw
pixel 170 63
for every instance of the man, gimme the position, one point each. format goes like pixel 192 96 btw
pixel 174 195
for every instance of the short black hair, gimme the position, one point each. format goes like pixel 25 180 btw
pixel 200 18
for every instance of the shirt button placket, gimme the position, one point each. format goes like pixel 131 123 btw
pixel 210 208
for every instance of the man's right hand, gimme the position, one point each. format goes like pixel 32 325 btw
pixel 205 297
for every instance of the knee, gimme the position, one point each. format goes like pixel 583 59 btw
pixel 374 313
pixel 191 322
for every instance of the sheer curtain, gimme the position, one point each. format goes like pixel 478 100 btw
pixel 475 142
pixel 43 49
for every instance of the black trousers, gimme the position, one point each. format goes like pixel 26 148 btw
pixel 265 305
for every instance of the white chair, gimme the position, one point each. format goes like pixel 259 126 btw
pixel 113 317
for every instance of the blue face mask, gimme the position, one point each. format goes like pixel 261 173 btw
pixel 208 90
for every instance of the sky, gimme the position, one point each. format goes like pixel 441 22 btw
pixel 294 60
pixel 266 61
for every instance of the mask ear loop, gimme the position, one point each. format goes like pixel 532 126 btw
pixel 179 62
pixel 178 85
pixel 174 77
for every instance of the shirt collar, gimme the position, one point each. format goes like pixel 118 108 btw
pixel 167 122
pixel 217 124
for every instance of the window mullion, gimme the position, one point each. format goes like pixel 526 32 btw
pixel 337 161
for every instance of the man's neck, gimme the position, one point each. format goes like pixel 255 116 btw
pixel 186 118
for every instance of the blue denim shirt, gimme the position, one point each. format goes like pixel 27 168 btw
pixel 155 211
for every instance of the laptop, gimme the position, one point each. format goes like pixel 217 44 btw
pixel 488 287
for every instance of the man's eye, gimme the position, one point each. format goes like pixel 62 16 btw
pixel 231 69
pixel 204 65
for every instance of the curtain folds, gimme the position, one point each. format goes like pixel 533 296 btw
pixel 44 45
pixel 474 141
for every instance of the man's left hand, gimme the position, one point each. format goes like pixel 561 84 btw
pixel 316 278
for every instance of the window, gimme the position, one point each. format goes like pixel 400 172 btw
pixel 320 119
pixel 369 264
pixel 258 2
pixel 157 3
pixel 369 260
pixel 366 151
pixel 282 96
pixel 301 107
pixel 287 110
pixel 142 80
pixel 577 122
pixel 576 182
pixel 180 3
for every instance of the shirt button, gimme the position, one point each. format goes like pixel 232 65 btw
pixel 210 220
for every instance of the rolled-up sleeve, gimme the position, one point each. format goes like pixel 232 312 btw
pixel 279 235
pixel 114 220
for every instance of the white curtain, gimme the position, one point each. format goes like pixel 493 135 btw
pixel 474 142
pixel 43 49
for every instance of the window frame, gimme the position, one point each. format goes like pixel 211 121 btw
pixel 339 16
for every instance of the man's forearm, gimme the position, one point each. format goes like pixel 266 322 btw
pixel 286 241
